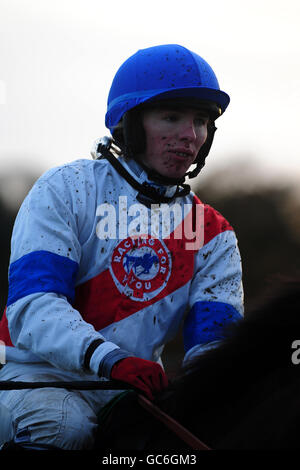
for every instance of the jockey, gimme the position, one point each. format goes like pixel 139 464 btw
pixel 110 256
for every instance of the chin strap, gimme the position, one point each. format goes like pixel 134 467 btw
pixel 105 148
pixel 157 178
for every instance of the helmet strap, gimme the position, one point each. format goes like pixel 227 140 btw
pixel 158 178
pixel 204 151
pixel 103 150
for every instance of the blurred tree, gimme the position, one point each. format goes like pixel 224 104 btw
pixel 7 218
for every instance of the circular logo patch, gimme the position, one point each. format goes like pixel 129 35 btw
pixel 141 267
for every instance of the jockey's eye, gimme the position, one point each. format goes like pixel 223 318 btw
pixel 201 120
pixel 171 117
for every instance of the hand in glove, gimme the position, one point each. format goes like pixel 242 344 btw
pixel 147 376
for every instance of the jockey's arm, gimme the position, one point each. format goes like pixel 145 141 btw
pixel 216 295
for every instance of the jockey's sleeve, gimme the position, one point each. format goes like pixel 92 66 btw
pixel 216 297
pixel 45 259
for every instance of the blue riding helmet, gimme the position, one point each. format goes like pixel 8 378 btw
pixel 162 72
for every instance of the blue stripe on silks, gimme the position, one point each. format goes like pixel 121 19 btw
pixel 205 321
pixel 42 271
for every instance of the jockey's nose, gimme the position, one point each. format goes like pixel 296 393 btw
pixel 187 131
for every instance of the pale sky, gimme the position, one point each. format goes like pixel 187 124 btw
pixel 58 59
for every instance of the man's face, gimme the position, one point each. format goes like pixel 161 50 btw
pixel 174 137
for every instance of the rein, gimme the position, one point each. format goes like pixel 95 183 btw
pixel 171 423
pixel 76 385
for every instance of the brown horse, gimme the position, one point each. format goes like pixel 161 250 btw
pixel 244 394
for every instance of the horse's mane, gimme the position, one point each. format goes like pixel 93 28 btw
pixel 244 394
pixel 252 363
